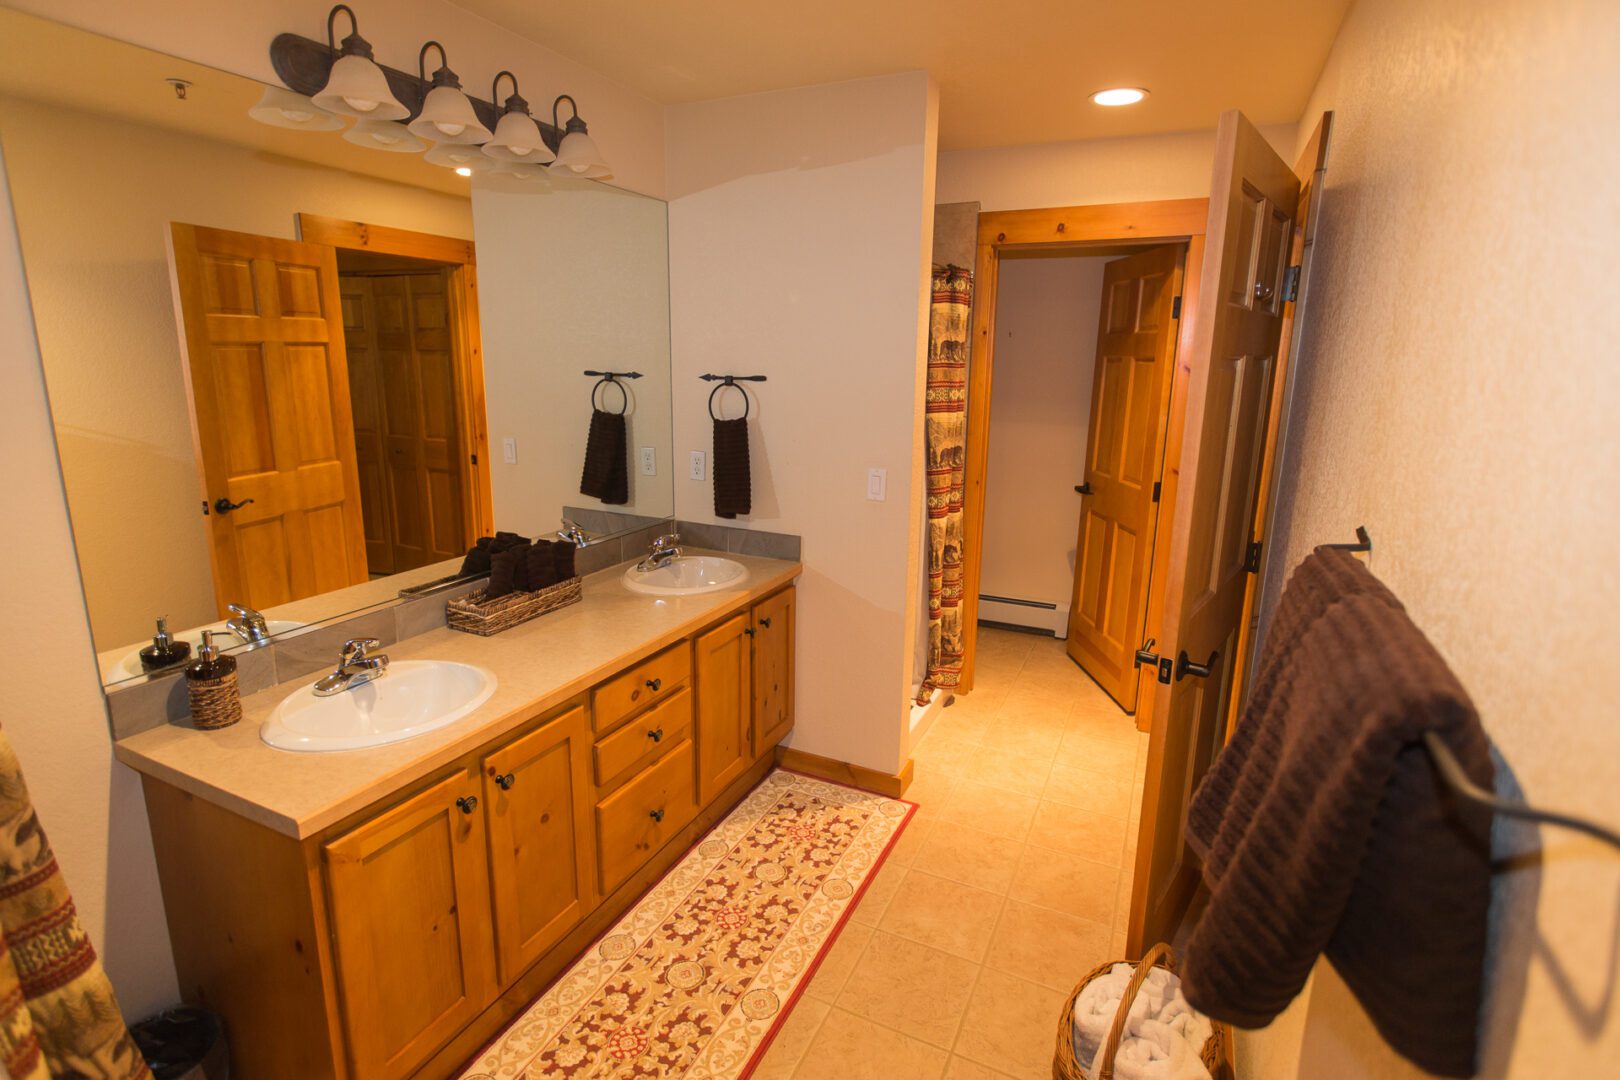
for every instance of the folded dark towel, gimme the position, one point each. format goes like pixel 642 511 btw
pixel 1323 827
pixel 507 573
pixel 607 466
pixel 541 566
pixel 732 495
pixel 479 555
pixel 562 555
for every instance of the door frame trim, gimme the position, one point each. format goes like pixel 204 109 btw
pixel 1058 230
pixel 461 258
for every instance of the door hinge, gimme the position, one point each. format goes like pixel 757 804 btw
pixel 1156 486
pixel 1291 284
pixel 205 507
pixel 1252 563
pixel 1175 308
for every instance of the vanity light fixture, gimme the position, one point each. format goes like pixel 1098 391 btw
pixel 517 137
pixel 280 107
pixel 577 152
pixel 356 86
pixel 385 135
pixel 459 156
pixel 1119 95
pixel 447 117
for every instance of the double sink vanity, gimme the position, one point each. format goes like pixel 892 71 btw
pixel 382 910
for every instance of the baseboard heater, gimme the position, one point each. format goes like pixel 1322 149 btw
pixel 1024 614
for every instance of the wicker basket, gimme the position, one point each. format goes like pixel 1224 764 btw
pixel 1215 1054
pixel 472 614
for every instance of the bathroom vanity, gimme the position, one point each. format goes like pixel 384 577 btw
pixel 382 913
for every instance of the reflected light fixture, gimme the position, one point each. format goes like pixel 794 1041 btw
pixel 459 156
pixel 577 153
pixel 280 107
pixel 447 116
pixel 356 86
pixel 385 135
pixel 1119 95
pixel 517 136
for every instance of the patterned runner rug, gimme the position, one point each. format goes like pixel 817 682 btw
pixel 695 980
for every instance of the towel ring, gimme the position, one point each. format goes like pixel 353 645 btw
pixel 623 394
pixel 721 387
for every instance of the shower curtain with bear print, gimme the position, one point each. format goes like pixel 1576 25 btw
pixel 946 433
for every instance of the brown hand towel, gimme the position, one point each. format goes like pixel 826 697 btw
pixel 541 566
pixel 562 557
pixel 1323 827
pixel 507 572
pixel 607 465
pixel 732 495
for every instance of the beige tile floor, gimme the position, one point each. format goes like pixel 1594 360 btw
pixel 1010 884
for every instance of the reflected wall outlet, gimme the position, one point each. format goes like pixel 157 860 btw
pixel 877 484
pixel 509 450
pixel 649 461
pixel 697 464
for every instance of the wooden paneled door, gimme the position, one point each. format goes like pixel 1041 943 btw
pixel 1130 398
pixel 269 387
pixel 402 377
pixel 721 666
pixel 409 905
pixel 774 644
pixel 1234 349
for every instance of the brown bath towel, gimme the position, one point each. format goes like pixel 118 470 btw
pixel 607 464
pixel 1324 829
pixel 732 494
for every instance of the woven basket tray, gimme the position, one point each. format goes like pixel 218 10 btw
pixel 472 614
pixel 1215 1054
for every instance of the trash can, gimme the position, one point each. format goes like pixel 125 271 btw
pixel 185 1043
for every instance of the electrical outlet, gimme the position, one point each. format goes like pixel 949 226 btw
pixel 649 461
pixel 698 462
pixel 877 484
pixel 509 450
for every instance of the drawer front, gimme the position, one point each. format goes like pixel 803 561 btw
pixel 639 818
pixel 652 735
pixel 652 680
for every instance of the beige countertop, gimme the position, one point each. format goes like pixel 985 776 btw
pixel 537 665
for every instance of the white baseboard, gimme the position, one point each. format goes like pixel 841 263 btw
pixel 1054 620
pixel 923 716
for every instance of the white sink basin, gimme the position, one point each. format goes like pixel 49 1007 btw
pixel 130 665
pixel 687 575
pixel 413 698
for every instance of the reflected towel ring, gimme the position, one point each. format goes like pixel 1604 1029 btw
pixel 721 387
pixel 623 394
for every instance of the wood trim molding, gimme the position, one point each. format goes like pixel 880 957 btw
pixel 1141 222
pixel 842 772
pixel 385 240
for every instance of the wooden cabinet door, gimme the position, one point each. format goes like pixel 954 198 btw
pixel 773 670
pixel 408 901
pixel 541 852
pixel 721 662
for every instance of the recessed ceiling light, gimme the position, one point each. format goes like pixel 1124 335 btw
pixel 1120 95
pixel 463 171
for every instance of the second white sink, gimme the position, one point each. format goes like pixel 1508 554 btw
pixel 687 575
pixel 413 698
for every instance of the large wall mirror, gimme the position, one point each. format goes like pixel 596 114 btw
pixel 298 375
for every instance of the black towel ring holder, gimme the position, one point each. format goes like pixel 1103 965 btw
pixel 721 387
pixel 624 394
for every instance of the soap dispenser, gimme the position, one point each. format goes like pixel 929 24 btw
pixel 216 701
pixel 164 651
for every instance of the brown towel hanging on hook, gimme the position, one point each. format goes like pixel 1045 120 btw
pixel 607 456
pixel 732 488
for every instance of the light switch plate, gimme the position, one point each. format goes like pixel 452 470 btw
pixel 649 461
pixel 509 450
pixel 697 464
pixel 877 484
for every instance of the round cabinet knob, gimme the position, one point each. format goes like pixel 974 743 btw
pixel 467 803
pixel 655 685
pixel 505 782
pixel 656 815
pixel 656 736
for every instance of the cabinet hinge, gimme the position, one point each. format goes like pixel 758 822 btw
pixel 475 459
pixel 1252 563
pixel 1156 486
pixel 1291 284
pixel 1175 308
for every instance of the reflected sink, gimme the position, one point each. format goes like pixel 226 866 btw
pixel 130 665
pixel 413 698
pixel 687 575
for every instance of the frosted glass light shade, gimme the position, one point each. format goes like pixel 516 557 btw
pixel 385 135
pixel 459 156
pixel 357 87
pixel 280 107
pixel 577 154
pixel 447 117
pixel 535 175
pixel 517 138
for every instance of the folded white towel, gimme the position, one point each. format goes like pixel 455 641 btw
pixel 1145 1053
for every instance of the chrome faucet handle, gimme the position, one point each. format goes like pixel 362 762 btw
pixel 354 650
pixel 248 615
pixel 668 540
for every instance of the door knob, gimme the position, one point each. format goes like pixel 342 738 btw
pixel 1083 489
pixel 222 505
pixel 1262 291
pixel 467 803
pixel 505 782
pixel 1146 655
pixel 1185 666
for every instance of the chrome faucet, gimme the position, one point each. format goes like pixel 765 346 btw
pixel 354 668
pixel 573 534
pixel 248 626
pixel 663 550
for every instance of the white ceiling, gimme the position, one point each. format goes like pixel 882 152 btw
pixel 1009 73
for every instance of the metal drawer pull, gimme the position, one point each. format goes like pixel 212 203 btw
pixel 656 736
pixel 505 782
pixel 655 685
pixel 467 803
pixel 766 623
pixel 656 815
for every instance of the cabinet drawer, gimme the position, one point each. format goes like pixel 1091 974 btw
pixel 653 679
pixel 651 736
pixel 637 820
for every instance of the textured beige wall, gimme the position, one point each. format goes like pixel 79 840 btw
pixel 94 240
pixel 799 249
pixel 1458 394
